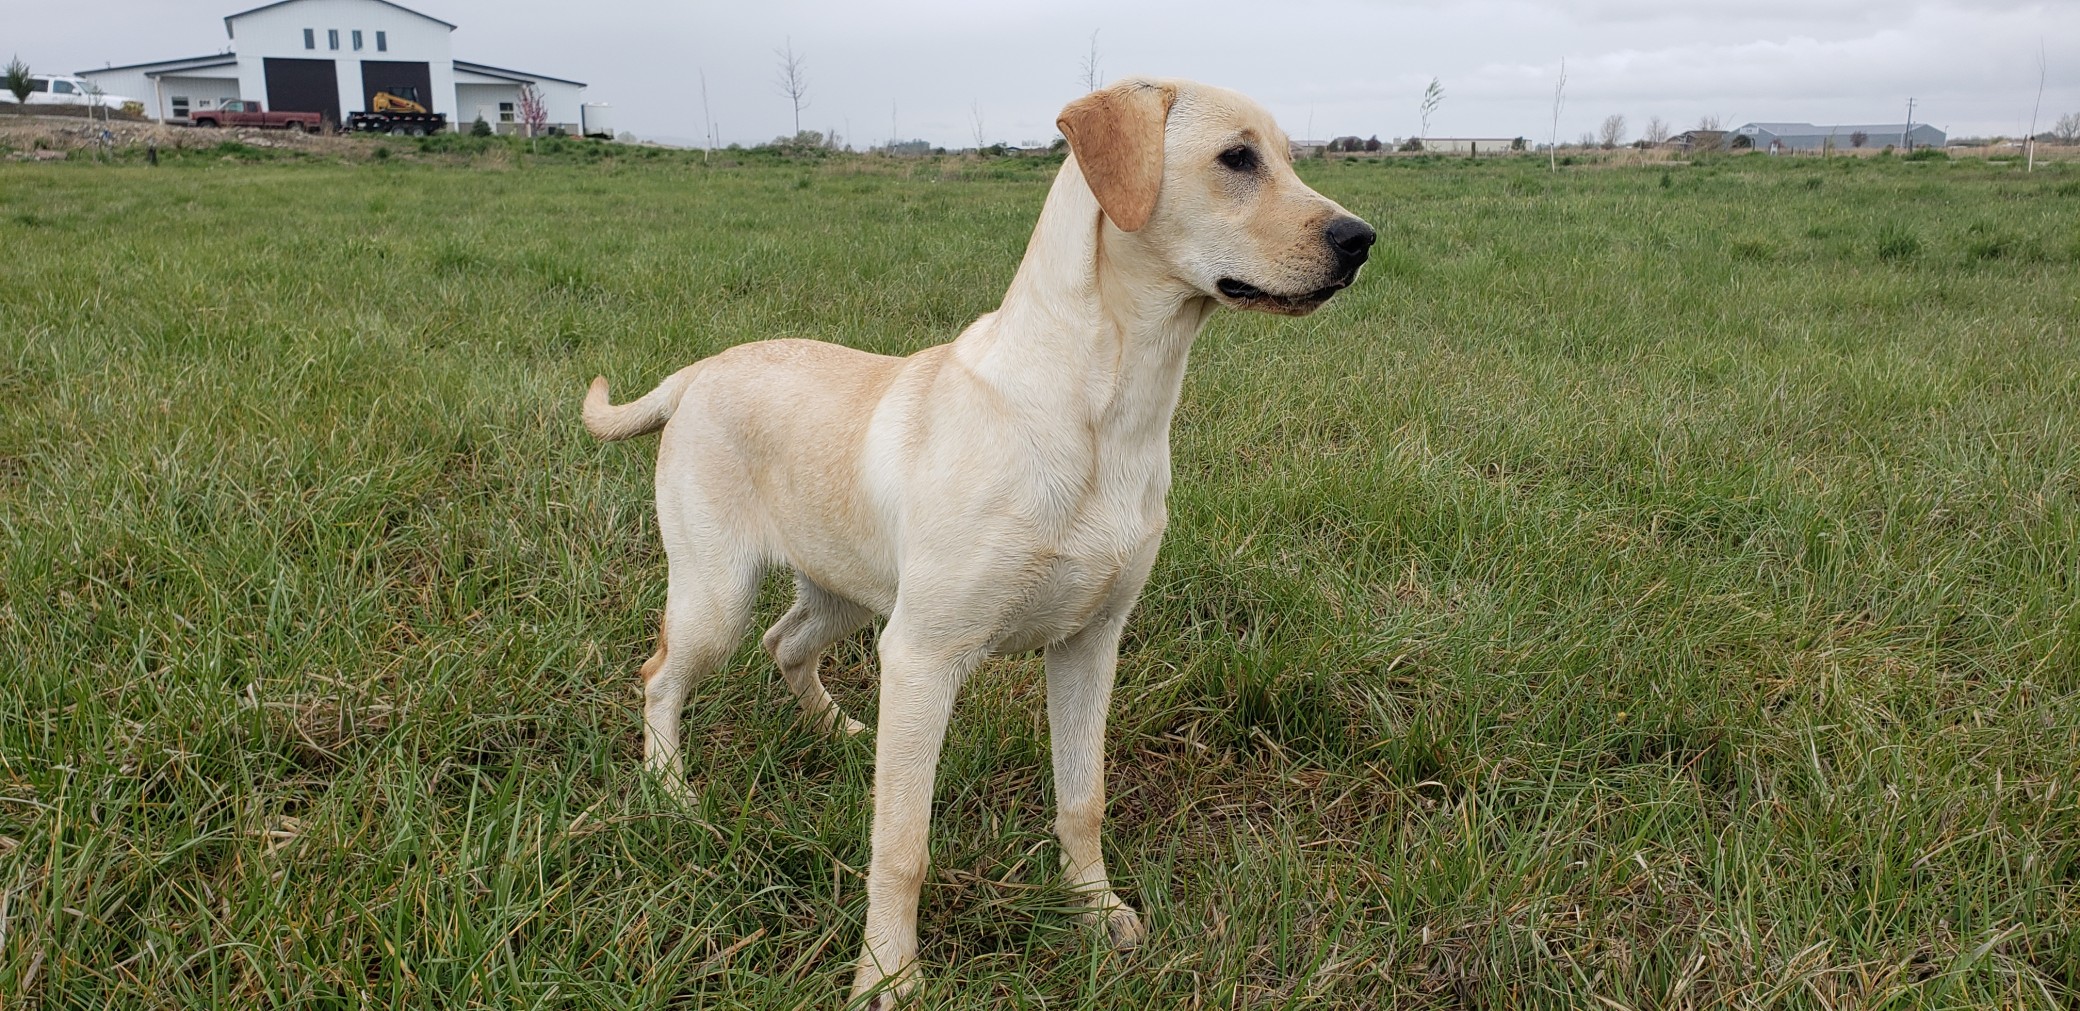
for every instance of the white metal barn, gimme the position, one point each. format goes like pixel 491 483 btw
pixel 331 57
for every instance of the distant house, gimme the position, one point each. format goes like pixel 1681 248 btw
pixel 1699 140
pixel 1843 136
pixel 1471 145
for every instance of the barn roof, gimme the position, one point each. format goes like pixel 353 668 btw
pixel 517 76
pixel 184 63
pixel 280 3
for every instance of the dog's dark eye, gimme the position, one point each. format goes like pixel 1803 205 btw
pixel 1239 158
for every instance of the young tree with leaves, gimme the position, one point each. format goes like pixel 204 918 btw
pixel 1433 96
pixel 18 80
pixel 534 111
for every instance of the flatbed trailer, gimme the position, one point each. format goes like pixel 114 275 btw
pixel 398 124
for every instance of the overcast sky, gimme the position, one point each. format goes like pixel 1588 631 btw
pixel 928 68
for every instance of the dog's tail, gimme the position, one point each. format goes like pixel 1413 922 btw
pixel 641 416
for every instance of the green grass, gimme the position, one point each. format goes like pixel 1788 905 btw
pixel 1649 587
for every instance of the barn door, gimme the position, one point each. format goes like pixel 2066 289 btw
pixel 410 80
pixel 303 86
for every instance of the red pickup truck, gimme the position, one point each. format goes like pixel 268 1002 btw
pixel 238 112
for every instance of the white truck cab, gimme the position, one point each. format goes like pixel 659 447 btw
pixel 61 89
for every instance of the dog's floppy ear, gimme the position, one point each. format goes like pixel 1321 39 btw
pixel 1117 137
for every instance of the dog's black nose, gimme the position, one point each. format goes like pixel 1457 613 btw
pixel 1351 238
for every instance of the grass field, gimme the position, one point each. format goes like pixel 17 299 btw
pixel 1648 587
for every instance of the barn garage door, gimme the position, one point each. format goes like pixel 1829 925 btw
pixel 303 86
pixel 405 80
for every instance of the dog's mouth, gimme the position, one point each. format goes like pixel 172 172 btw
pixel 1243 295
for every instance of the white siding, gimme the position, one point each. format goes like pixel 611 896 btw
pixel 562 101
pixel 278 32
pixel 476 92
pixel 475 100
pixel 214 90
pixel 131 83
pixel 213 83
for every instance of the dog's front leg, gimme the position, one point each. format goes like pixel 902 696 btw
pixel 1079 688
pixel 919 679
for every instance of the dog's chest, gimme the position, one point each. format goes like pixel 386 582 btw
pixel 1096 564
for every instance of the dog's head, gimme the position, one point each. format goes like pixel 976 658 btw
pixel 1204 178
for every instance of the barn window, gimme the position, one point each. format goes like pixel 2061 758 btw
pixel 357 40
pixel 332 38
pixel 310 38
pixel 180 106
pixel 382 42
pixel 505 112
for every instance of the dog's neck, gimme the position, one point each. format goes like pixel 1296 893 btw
pixel 1093 326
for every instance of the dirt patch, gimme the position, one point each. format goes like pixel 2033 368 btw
pixel 9 109
pixel 30 137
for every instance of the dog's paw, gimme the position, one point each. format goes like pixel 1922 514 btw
pixel 874 990
pixel 1122 924
pixel 834 721
pixel 1123 929
pixel 670 789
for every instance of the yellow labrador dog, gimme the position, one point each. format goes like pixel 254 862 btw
pixel 1001 493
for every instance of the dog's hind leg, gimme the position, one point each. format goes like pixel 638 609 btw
pixel 796 643
pixel 706 608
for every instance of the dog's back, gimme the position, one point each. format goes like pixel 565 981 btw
pixel 772 432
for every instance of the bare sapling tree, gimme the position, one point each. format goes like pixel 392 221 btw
pixel 18 80
pixel 1553 145
pixel 1092 78
pixel 975 115
pixel 2029 140
pixel 1708 122
pixel 1433 96
pixel 1612 132
pixel 1656 132
pixel 534 112
pixel 97 106
pixel 792 78
pixel 707 120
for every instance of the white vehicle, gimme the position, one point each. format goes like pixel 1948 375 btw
pixel 58 89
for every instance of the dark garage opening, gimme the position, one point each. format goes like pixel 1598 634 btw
pixel 303 86
pixel 398 77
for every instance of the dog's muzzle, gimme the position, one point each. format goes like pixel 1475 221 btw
pixel 1350 239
